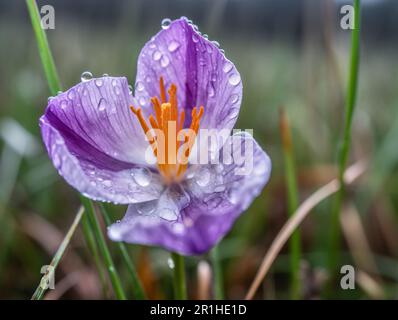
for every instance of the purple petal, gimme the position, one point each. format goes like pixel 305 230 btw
pixel 95 144
pixel 203 75
pixel 192 219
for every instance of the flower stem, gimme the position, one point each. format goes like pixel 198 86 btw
pixel 139 293
pixel 180 288
pixel 113 274
pixel 218 275
pixel 293 202
pixel 44 49
pixel 43 286
pixel 334 258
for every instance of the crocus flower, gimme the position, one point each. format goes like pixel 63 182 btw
pixel 96 136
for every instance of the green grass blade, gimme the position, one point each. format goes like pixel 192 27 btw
pixel 293 202
pixel 103 248
pixel 92 246
pixel 180 287
pixel 138 291
pixel 334 244
pixel 44 49
pixel 42 288
pixel 218 274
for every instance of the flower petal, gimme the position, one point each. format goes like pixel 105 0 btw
pixel 203 75
pixel 90 136
pixel 212 200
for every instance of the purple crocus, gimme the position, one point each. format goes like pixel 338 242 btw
pixel 96 136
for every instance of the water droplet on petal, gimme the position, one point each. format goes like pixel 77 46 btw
pixel 107 183
pixel 195 37
pixel 233 98
pixel 227 67
pixel 216 43
pixel 102 104
pixel 142 101
pixel 173 46
pixel 170 263
pixel 71 94
pixel 141 176
pixel 164 62
pixel 234 79
pixel 204 178
pixel 166 23
pixel 219 188
pixel 50 98
pixel 156 55
pixel 167 214
pixel 205 36
pixel 99 82
pixel 146 208
pixel 139 86
pixel 233 196
pixel 64 104
pixel 210 90
pixel 86 75
pixel 105 75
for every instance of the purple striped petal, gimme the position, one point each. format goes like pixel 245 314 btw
pixel 203 75
pixel 192 219
pixel 95 143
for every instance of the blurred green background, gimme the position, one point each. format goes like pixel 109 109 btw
pixel 290 53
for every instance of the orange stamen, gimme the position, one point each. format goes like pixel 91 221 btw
pixel 166 112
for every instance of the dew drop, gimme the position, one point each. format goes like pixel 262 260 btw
pixel 195 37
pixel 105 75
pixel 216 43
pixel 227 66
pixel 219 188
pixel 205 36
pixel 233 98
pixel 167 214
pixel 233 196
pixel 102 105
pixel 156 55
pixel 50 98
pixel 71 94
pixel 139 86
pixel 142 101
pixel 86 75
pixel 99 82
pixel 210 90
pixel 64 104
pixel 146 208
pixel 234 79
pixel 141 176
pixel 166 23
pixel 204 178
pixel 173 46
pixel 164 62
pixel 107 183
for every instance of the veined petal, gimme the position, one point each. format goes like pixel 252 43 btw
pixel 203 75
pixel 214 197
pixel 91 139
